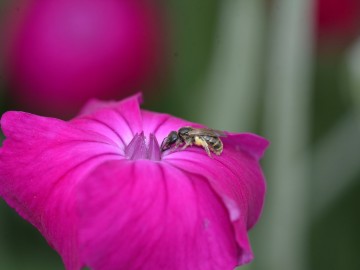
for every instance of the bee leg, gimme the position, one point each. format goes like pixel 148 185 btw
pixel 187 143
pixel 207 150
pixel 177 144
pixel 204 144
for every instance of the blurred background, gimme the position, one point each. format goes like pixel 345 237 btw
pixel 288 70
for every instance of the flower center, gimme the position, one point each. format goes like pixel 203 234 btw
pixel 138 149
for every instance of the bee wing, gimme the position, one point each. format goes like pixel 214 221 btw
pixel 207 132
pixel 219 133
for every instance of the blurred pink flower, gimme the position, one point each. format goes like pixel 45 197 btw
pixel 64 52
pixel 337 23
pixel 104 196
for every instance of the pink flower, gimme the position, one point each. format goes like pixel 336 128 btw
pixel 337 23
pixel 64 52
pixel 104 196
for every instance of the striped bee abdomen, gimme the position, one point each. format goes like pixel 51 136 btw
pixel 215 144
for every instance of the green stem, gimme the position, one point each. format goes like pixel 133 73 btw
pixel 285 220
pixel 229 96
pixel 336 162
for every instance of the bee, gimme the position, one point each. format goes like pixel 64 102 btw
pixel 209 139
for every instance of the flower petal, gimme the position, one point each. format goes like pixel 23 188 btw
pixel 237 178
pixel 41 161
pixel 248 142
pixel 149 215
pixel 120 121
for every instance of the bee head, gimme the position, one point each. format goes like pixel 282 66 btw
pixel 169 140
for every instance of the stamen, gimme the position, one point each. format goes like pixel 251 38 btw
pixel 154 148
pixel 137 148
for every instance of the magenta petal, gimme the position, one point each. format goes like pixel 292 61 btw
pixel 248 142
pixel 237 178
pixel 148 215
pixel 120 121
pixel 41 162
pixel 94 105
